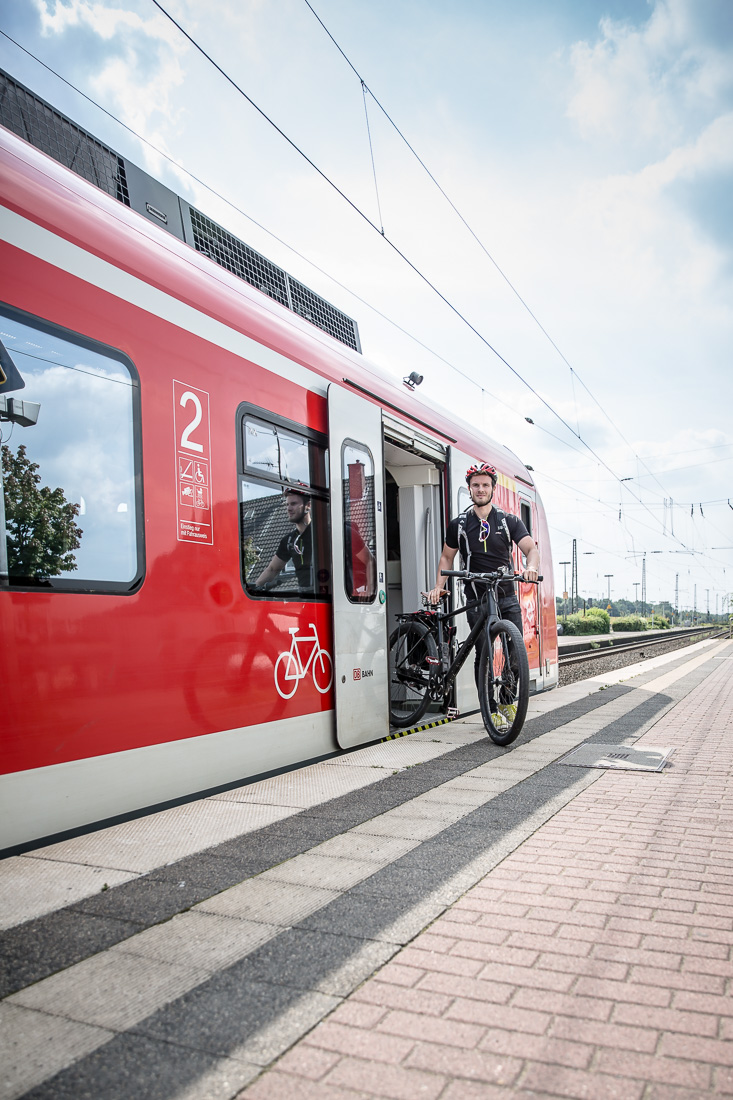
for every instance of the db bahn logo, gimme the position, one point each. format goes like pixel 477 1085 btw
pixel 363 673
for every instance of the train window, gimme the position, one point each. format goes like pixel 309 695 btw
pixel 283 508
pixel 276 452
pixel 526 515
pixel 360 531
pixel 71 480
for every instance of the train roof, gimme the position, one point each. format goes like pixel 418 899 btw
pixel 38 188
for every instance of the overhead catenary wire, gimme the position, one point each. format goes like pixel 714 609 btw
pixel 573 373
pixel 421 275
pixel 371 154
pixel 233 206
pixel 468 377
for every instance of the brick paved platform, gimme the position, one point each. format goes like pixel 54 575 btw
pixel 594 961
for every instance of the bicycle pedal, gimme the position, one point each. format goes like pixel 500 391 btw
pixel 452 712
pixel 432 661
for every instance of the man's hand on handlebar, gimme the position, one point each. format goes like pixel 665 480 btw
pixel 435 595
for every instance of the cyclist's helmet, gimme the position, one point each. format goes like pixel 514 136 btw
pixel 299 489
pixel 482 468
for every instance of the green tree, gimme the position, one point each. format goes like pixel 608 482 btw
pixel 41 532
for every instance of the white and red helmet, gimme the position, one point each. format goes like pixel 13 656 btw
pixel 482 468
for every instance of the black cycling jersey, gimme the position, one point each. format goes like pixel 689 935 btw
pixel 297 546
pixel 488 543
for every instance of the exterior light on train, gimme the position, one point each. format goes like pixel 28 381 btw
pixel 413 379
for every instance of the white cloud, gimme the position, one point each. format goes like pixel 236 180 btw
pixel 653 84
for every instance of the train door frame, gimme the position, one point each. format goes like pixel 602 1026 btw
pixel 465 693
pixel 359 619
pixel 528 509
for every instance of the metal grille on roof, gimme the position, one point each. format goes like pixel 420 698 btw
pixel 34 120
pixel 39 124
pixel 237 257
pixel 321 313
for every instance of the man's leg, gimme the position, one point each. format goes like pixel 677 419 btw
pixel 509 609
pixel 472 615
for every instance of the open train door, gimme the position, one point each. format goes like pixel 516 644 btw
pixel 358 568
pixel 466 696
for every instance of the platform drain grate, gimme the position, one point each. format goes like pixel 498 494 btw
pixel 621 757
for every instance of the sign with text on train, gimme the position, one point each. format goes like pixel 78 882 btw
pixel 193 464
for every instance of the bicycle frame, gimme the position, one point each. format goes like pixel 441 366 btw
pixel 484 622
pixel 442 679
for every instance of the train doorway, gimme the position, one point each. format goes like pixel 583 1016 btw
pixel 414 470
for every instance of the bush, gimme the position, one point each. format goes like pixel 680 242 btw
pixel 630 622
pixel 586 624
pixel 660 623
pixel 604 624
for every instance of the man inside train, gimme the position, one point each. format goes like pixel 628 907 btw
pixel 296 546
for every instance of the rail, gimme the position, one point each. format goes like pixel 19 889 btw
pixel 594 654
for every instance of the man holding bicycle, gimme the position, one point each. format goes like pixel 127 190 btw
pixel 484 536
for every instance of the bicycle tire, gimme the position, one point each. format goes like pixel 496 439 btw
pixel 410 646
pixel 504 672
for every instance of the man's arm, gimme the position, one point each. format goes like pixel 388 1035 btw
pixel 446 562
pixel 276 566
pixel 532 558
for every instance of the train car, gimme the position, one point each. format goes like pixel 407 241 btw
pixel 159 404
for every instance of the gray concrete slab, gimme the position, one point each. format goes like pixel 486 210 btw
pixel 111 990
pixel 35 1046
pixel 269 901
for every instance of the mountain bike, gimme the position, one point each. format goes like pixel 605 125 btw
pixel 424 660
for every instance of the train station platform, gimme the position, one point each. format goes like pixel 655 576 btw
pixel 432 917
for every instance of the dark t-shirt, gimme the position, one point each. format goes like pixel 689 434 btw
pixel 297 547
pixel 490 554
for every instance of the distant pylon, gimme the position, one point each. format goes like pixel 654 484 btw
pixel 643 586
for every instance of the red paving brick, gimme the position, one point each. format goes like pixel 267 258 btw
pixel 594 962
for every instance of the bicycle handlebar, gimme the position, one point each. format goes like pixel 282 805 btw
pixel 464 575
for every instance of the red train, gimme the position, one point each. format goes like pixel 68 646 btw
pixel 144 657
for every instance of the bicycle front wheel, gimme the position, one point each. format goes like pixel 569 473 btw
pixel 411 648
pixel 504 683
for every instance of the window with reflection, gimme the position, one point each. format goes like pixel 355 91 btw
pixel 360 528
pixel 71 481
pixel 283 507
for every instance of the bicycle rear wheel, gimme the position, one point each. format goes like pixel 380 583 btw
pixel 504 683
pixel 410 646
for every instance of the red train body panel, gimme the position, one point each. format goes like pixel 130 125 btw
pixel 117 700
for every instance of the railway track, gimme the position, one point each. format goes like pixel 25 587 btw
pixel 613 648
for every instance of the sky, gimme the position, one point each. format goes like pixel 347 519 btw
pixel 588 148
